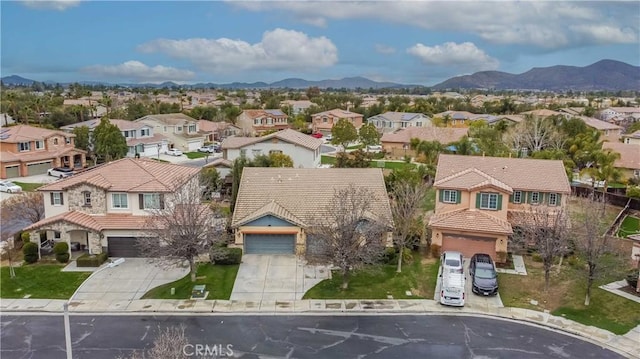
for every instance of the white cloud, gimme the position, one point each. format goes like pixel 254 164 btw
pixel 59 5
pixel 464 56
pixel 544 24
pixel 279 49
pixel 138 71
pixel 384 49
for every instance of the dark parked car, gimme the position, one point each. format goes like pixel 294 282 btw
pixel 484 280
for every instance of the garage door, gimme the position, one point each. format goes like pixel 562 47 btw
pixel 468 245
pixel 12 172
pixel 269 243
pixel 123 247
pixel 193 146
pixel 38 168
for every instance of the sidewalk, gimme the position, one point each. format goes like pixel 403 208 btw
pixel 628 344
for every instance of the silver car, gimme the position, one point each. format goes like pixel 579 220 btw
pixel 9 187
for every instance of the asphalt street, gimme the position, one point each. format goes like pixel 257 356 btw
pixel 407 336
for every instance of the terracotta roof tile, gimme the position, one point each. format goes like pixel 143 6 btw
pixel 95 223
pixel 432 133
pixel 471 179
pixel 472 220
pixel 288 135
pixel 338 113
pixel 629 154
pixel 24 133
pixel 38 155
pixel 518 173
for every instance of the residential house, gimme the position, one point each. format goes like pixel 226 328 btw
pixel 96 110
pixel 275 207
pixel 297 107
pixel 323 122
pixel 398 143
pixel 181 131
pixel 629 161
pixel 218 130
pixel 27 150
pixel 222 166
pixel 392 121
pixel 616 114
pixel 141 141
pixel 303 149
pixel 632 138
pixel 463 118
pixel 105 209
pixel 478 196
pixel 257 122
pixel 608 131
pixel 509 119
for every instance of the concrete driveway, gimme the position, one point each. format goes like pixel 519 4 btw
pixel 130 280
pixel 471 299
pixel 275 277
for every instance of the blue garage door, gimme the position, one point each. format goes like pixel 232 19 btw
pixel 269 243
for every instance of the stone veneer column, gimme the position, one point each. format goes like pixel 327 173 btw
pixel 95 245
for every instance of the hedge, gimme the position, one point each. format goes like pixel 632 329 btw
pixel 226 255
pixel 30 252
pixel 89 260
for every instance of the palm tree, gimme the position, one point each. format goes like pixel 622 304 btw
pixel 604 169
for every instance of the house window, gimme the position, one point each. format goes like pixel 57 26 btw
pixel 636 173
pixel 55 141
pixel 418 124
pixel 87 198
pixel 403 124
pixel 144 132
pixel 553 199
pixel 151 201
pixel 39 145
pixel 517 197
pixel 179 129
pixel 269 121
pixel 57 199
pixel 24 146
pixel 243 153
pixel 256 152
pixel 119 200
pixel 489 201
pixel 275 151
pixel 449 196
pixel 325 120
pixel 192 128
pixel 67 140
pixel 535 197
pixel 125 134
pixel 57 235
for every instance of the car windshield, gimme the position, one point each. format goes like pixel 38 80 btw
pixel 485 273
pixel 452 262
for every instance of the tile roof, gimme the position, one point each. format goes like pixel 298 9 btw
pixel 38 155
pixel 397 116
pixel 471 220
pixel 431 133
pixel 156 138
pixel 210 126
pixel 169 118
pixel 287 135
pixel 471 179
pixel 94 222
pixel 339 113
pixel 24 133
pixel 129 175
pixel 635 134
pixel 629 154
pixel 219 162
pixel 518 173
pixel 261 113
pixel 543 112
pixel 598 124
pixel 302 194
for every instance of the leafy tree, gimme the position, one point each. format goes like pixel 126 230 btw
pixel 369 134
pixel 603 168
pixel 343 133
pixel 464 146
pixel 407 197
pixel 136 110
pixel 634 127
pixel 82 137
pixel 236 173
pixel 109 143
pixel 354 159
pixel 348 234
pixel 488 140
pixel 210 181
pixel 427 151
pixel 280 160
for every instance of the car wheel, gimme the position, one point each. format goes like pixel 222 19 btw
pixel 61 176
pixel 8 191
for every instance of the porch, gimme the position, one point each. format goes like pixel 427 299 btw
pixel 80 240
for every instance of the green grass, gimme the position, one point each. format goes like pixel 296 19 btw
pixel 377 282
pixel 29 187
pixel 40 281
pixel 194 155
pixel 219 280
pixel 327 160
pixel 630 225
pixel 389 165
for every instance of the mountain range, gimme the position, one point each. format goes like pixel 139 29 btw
pixel 604 75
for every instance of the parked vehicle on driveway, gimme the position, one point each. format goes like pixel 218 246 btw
pixel 60 172
pixel 452 260
pixel 317 135
pixel 374 148
pixel 9 187
pixel 452 287
pixel 174 152
pixel 207 149
pixel 484 280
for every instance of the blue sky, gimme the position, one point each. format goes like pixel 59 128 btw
pixel 413 42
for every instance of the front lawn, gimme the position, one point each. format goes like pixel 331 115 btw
pixel 219 280
pixel 566 297
pixel 194 155
pixel 389 165
pixel 29 187
pixel 40 281
pixel 630 225
pixel 378 282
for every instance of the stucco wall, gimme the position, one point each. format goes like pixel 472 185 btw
pixel 301 156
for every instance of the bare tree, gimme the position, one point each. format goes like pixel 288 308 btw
pixel 547 230
pixel 28 206
pixel 535 133
pixel 181 229
pixel 592 243
pixel 348 232
pixel 406 208
pixel 169 344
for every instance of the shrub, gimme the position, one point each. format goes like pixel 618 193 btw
pixel 632 279
pixel 62 257
pixel 61 248
pixel 574 261
pixel 30 252
pixel 91 260
pixel 25 236
pixel 536 257
pixel 435 250
pixel 225 255
pixel 390 255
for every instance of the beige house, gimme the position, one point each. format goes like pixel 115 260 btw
pixel 106 207
pixel 629 161
pixel 182 131
pixel 323 121
pixel 392 121
pixel 217 131
pixel 477 196
pixel 27 151
pixel 632 138
pixel 257 122
pixel 398 143
pixel 276 206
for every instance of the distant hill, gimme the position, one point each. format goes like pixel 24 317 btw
pixel 606 75
pixel 15 80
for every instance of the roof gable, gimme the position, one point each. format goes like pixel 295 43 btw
pixel 472 179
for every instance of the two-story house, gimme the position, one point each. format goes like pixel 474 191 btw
pixel 303 149
pixel 392 121
pixel 27 150
pixel 181 131
pixel 632 138
pixel 629 161
pixel 218 130
pixel 141 140
pixel 323 122
pixel 106 208
pixel 257 122
pixel 478 196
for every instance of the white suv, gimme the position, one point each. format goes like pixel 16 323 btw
pixel 60 172
pixel 453 261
